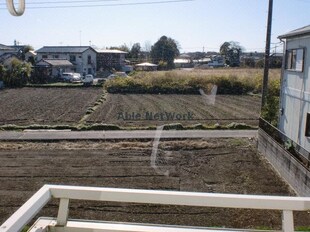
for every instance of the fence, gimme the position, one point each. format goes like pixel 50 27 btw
pixel 298 152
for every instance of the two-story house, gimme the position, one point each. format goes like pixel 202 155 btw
pixel 83 58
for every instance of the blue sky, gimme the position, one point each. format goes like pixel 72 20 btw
pixel 194 24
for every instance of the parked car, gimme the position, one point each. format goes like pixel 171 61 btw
pixel 66 77
pixel 88 79
pixel 76 77
pixel 117 74
pixel 71 77
pixel 99 80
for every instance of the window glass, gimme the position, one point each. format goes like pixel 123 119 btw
pixel 295 59
pixel 307 131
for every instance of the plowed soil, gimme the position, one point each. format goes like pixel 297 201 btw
pixel 47 106
pixel 59 106
pixel 226 109
pixel 203 165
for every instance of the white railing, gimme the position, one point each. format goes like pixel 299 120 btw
pixel 65 193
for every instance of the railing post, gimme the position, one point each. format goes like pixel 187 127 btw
pixel 287 221
pixel 63 212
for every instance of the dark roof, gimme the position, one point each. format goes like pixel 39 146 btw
pixel 63 49
pixel 56 62
pixel 4 47
pixel 298 32
pixel 7 56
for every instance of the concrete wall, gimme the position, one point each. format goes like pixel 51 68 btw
pixel 296 175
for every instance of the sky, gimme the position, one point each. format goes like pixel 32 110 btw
pixel 197 25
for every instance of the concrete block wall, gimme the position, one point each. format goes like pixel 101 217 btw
pixel 295 174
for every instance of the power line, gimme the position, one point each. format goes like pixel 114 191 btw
pixel 64 2
pixel 107 5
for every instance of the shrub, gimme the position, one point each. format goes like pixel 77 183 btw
pixel 99 126
pixel 16 73
pixel 270 111
pixel 174 82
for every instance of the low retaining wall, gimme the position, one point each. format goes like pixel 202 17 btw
pixel 293 172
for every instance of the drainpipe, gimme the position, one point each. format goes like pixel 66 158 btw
pixel 282 83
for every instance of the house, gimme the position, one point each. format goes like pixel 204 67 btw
pixel 83 58
pixel 7 53
pixel 183 61
pixel 6 50
pixel 211 61
pixel 111 59
pixel 294 119
pixel 216 61
pixel 55 67
pixel 146 67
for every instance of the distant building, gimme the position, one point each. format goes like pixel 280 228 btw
pixel 295 87
pixel 212 61
pixel 83 58
pixel 4 49
pixel 55 67
pixel 111 59
pixel 9 52
pixel 146 67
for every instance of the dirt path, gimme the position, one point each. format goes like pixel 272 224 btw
pixel 204 165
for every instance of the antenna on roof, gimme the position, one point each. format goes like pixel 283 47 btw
pixel 12 9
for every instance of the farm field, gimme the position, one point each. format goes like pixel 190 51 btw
pixel 124 109
pixel 25 106
pixel 204 165
pixel 59 106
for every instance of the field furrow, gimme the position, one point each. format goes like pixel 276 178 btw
pixel 200 165
pixel 27 106
pixel 191 109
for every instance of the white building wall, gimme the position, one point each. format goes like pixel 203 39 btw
pixel 89 67
pixel 81 60
pixel 295 96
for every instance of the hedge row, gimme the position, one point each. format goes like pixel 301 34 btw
pixel 183 85
pixel 101 126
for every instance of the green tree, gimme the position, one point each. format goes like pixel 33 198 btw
pixel 22 52
pixel 135 52
pixel 2 72
pixel 231 52
pixel 164 51
pixel 16 73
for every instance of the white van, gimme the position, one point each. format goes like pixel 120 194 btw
pixel 88 79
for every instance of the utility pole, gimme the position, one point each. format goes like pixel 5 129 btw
pixel 267 54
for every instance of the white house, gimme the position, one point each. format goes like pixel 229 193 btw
pixel 295 87
pixel 82 57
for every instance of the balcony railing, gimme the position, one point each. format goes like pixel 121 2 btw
pixel 66 193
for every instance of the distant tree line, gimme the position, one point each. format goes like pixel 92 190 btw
pixel 162 53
